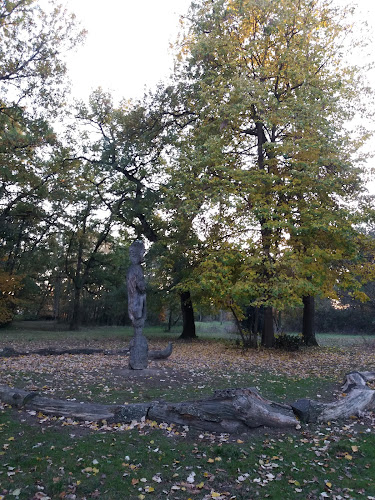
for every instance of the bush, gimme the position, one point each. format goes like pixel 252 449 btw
pixel 288 342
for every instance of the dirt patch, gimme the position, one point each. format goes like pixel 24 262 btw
pixel 153 377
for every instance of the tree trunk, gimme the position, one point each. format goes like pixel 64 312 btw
pixel 308 322
pixel 57 298
pixel 256 321
pixel 76 314
pixel 188 322
pixel 358 397
pixel 161 354
pixel 239 328
pixel 169 327
pixel 268 336
pixel 228 410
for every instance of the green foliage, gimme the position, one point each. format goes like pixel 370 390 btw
pixel 243 173
pixel 9 285
pixel 32 84
pixel 32 43
pixel 287 342
pixel 270 148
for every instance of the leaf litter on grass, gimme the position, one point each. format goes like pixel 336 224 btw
pixel 198 366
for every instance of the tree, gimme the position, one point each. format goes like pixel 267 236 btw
pixel 273 99
pixel 133 180
pixel 86 240
pixel 32 72
pixel 33 42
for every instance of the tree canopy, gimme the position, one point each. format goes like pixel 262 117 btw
pixel 273 100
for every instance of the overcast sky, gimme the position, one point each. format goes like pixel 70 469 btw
pixel 127 46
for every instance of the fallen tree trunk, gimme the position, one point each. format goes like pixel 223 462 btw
pixel 357 397
pixel 68 408
pixel 9 352
pixel 228 410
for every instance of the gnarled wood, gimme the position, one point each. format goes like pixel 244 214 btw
pixel 357 398
pixel 229 410
pixel 161 354
pixel 9 352
pixel 62 408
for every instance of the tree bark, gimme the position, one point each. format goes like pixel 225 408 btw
pixel 169 328
pixel 188 322
pixel 228 410
pixel 57 297
pixel 76 313
pixel 161 354
pixel 357 397
pixel 268 335
pixel 308 322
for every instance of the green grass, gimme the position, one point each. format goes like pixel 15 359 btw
pixel 125 464
pixel 48 330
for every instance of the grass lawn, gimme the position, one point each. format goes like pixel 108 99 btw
pixel 51 457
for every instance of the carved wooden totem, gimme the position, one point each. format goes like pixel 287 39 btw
pixel 138 358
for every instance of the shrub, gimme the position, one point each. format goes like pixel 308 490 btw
pixel 288 342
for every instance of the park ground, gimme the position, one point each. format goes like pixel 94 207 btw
pixel 45 457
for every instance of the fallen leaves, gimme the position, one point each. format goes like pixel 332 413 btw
pixel 77 370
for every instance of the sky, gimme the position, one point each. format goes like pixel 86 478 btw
pixel 127 46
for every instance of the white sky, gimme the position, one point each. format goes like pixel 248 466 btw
pixel 127 47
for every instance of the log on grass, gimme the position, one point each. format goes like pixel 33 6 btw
pixel 161 354
pixel 10 352
pixel 356 398
pixel 228 410
pixel 68 408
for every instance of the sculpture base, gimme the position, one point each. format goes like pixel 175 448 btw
pixel 138 356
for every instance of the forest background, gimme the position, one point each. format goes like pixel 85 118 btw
pixel 245 172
